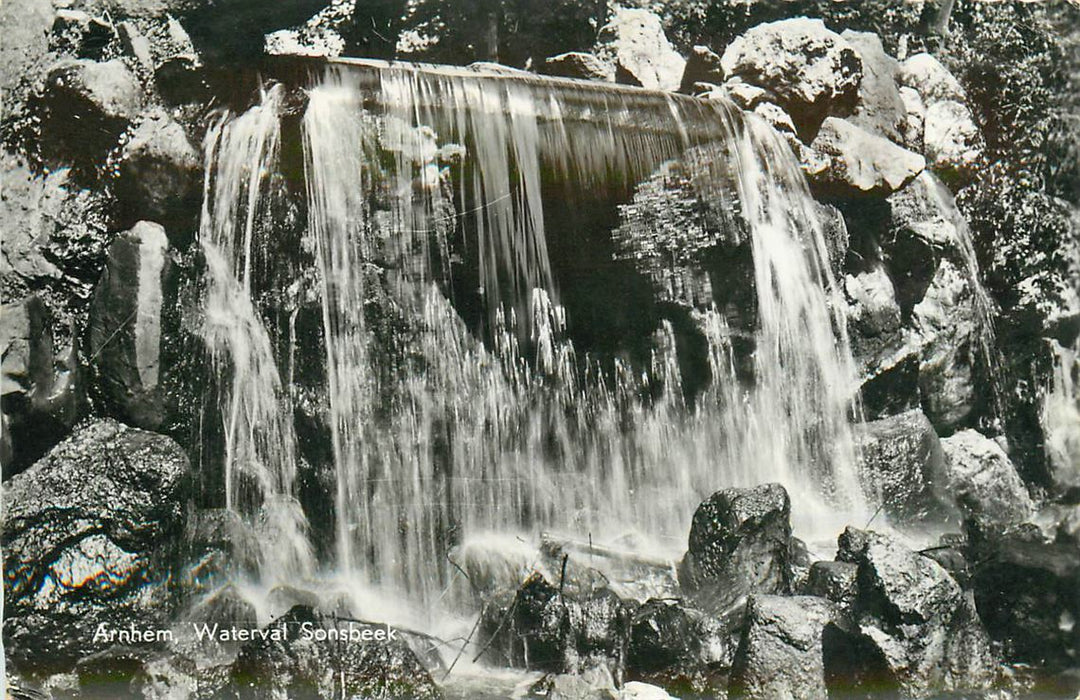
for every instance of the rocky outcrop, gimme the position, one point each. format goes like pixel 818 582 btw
pixel 102 98
pixel 740 543
pixel 780 654
pixel 579 64
pixel 983 480
pixel 903 459
pixel 879 109
pixel 126 324
pixel 159 174
pixel 844 161
pixel 292 664
pixel 634 42
pixel 703 68
pixel 913 617
pixel 811 71
pixel 88 535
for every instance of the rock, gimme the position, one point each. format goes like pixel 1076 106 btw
pixel 775 117
pixel 847 162
pixel 89 535
pixel 126 324
pixel 539 627
pixel 948 323
pixel 914 119
pixel 926 210
pixel 137 46
pixel 1026 593
pixel 703 66
pixel 933 81
pixel 952 141
pixel 873 310
pixel 746 95
pixel 25 47
pixel 740 543
pixel 79 34
pixel 668 637
pixel 160 174
pixel 594 683
pixel 834 581
pixel 880 108
pixel 912 615
pixel 288 664
pixel 42 390
pixel 634 41
pixel 636 690
pixel 578 64
pixel 983 479
pixel 811 70
pixel 102 98
pixel 780 654
pixel 902 457
pixel 496 564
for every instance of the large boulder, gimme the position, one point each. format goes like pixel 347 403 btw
pixel 811 70
pixel 333 658
pixel 903 459
pixel 126 324
pixel 24 50
pixel 89 534
pixel 834 581
pixel 669 639
pixel 933 81
pixel 879 109
pixel 42 391
pixel 983 479
pixel 579 64
pixel 780 654
pixel 102 98
pixel 634 41
pixel 913 617
pixel 845 161
pixel 702 67
pixel 740 543
pixel 159 173
pixel 1026 590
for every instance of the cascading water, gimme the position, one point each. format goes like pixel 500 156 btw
pixel 1061 414
pixel 483 440
pixel 260 447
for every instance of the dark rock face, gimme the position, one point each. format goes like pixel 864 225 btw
pixel 159 174
pixel 666 636
pixel 1028 593
pixel 578 64
pixel 780 653
pixel 913 621
pixel 812 71
pixel 102 98
pixel 541 627
pixel 740 543
pixel 902 455
pixel 834 581
pixel 88 535
pixel 703 66
pixel 126 324
pixel 305 666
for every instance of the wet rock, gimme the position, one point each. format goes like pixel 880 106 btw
pixel 702 66
pixel 948 325
pixel 42 391
pixel 102 98
pixel 902 456
pixel 776 117
pixel 666 636
pixel 740 543
pixel 952 141
pixel 834 581
pixel 126 324
pixel 634 41
pixel 916 619
pixel 880 109
pixel 780 653
pixel 89 534
pixel 541 627
pixel 293 664
pixel 1026 593
pixel 811 70
pixel 983 480
pixel 579 64
pixel 224 608
pixel 933 81
pixel 595 683
pixel 845 161
pixel 925 210
pixel 746 95
pixel 496 564
pixel 160 175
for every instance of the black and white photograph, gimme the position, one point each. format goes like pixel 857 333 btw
pixel 540 349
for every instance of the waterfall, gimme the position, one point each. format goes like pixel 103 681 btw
pixel 520 434
pixel 1061 414
pixel 259 444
